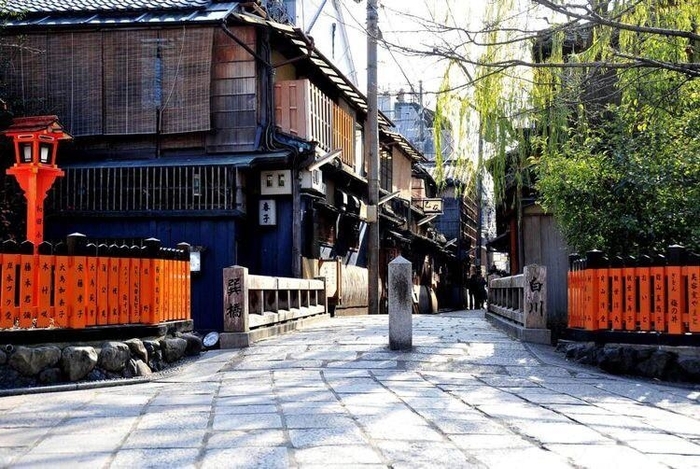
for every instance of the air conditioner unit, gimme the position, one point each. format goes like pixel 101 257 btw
pixel 313 180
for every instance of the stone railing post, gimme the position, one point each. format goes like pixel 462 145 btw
pixel 400 305
pixel 236 299
pixel 535 297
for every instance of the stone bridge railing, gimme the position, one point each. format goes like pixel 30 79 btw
pixel 519 304
pixel 257 306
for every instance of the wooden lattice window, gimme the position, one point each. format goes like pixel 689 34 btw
pixel 386 170
pixel 144 189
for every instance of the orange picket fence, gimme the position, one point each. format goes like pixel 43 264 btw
pixel 650 293
pixel 80 285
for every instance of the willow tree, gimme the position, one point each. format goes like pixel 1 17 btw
pixel 598 101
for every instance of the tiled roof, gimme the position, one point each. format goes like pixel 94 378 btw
pixel 73 6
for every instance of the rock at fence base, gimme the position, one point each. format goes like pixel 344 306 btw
pixel 610 359
pixel 138 349
pixel 96 375
pixel 690 368
pixel 30 361
pixel 575 351
pixel 113 374
pixel 78 362
pixel 629 360
pixel 9 377
pixel 136 367
pixel 656 365
pixel 114 356
pixel 50 376
pixel 3 357
pixel 155 361
pixel 194 344
pixel 173 349
pixel 152 346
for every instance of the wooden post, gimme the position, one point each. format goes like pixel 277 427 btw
pixel 596 278
pixel 658 278
pixel 643 273
pixel 149 281
pixel 27 279
pixel 236 299
pixel 113 281
pixel 124 268
pixel 616 292
pixel 694 292
pixel 45 310
pixel 91 287
pixel 675 301
pixel 76 243
pixel 184 280
pixel 103 284
pixel 631 312
pixel 135 286
pixel 61 277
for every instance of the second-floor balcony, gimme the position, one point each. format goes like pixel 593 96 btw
pixel 301 109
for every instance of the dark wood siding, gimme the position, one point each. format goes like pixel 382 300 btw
pixel 216 235
pixel 544 245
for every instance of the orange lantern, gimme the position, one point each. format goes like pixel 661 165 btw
pixel 36 144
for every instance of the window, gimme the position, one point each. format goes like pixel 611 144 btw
pixel 385 170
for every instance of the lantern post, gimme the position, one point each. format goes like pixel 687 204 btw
pixel 35 142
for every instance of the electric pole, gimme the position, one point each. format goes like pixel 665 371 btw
pixel 372 130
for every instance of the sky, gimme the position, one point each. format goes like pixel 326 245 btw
pixel 398 24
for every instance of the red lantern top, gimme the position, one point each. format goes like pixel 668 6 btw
pixel 36 139
pixel 41 124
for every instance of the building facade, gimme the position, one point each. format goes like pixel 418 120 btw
pixel 213 124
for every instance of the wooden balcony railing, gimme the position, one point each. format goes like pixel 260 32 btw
pixel 301 109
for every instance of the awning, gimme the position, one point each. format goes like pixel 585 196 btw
pixel 500 243
pixel 214 12
pixel 241 160
pixel 399 236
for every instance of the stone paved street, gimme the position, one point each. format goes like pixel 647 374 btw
pixel 334 395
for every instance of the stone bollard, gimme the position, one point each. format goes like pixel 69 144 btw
pixel 400 305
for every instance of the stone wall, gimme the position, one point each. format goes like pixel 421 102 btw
pixel 679 364
pixel 51 364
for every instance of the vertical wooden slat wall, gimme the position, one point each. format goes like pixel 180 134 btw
pixel 303 110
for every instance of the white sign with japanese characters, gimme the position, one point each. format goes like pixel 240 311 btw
pixel 267 213
pixel 432 206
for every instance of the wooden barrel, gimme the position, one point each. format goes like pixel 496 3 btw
pixel 427 300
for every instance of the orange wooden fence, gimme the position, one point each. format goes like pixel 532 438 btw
pixel 659 293
pixel 79 285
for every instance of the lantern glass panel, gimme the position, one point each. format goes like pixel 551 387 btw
pixel 45 153
pixel 26 150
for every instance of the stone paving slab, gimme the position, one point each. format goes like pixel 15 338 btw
pixel 335 395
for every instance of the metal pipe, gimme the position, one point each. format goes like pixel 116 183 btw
pixel 315 18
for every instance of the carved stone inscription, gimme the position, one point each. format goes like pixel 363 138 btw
pixel 535 307
pixel 235 304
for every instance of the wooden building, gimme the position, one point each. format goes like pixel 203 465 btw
pixel 207 122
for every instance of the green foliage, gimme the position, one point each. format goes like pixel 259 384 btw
pixel 619 154
pixel 609 127
pixel 624 190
